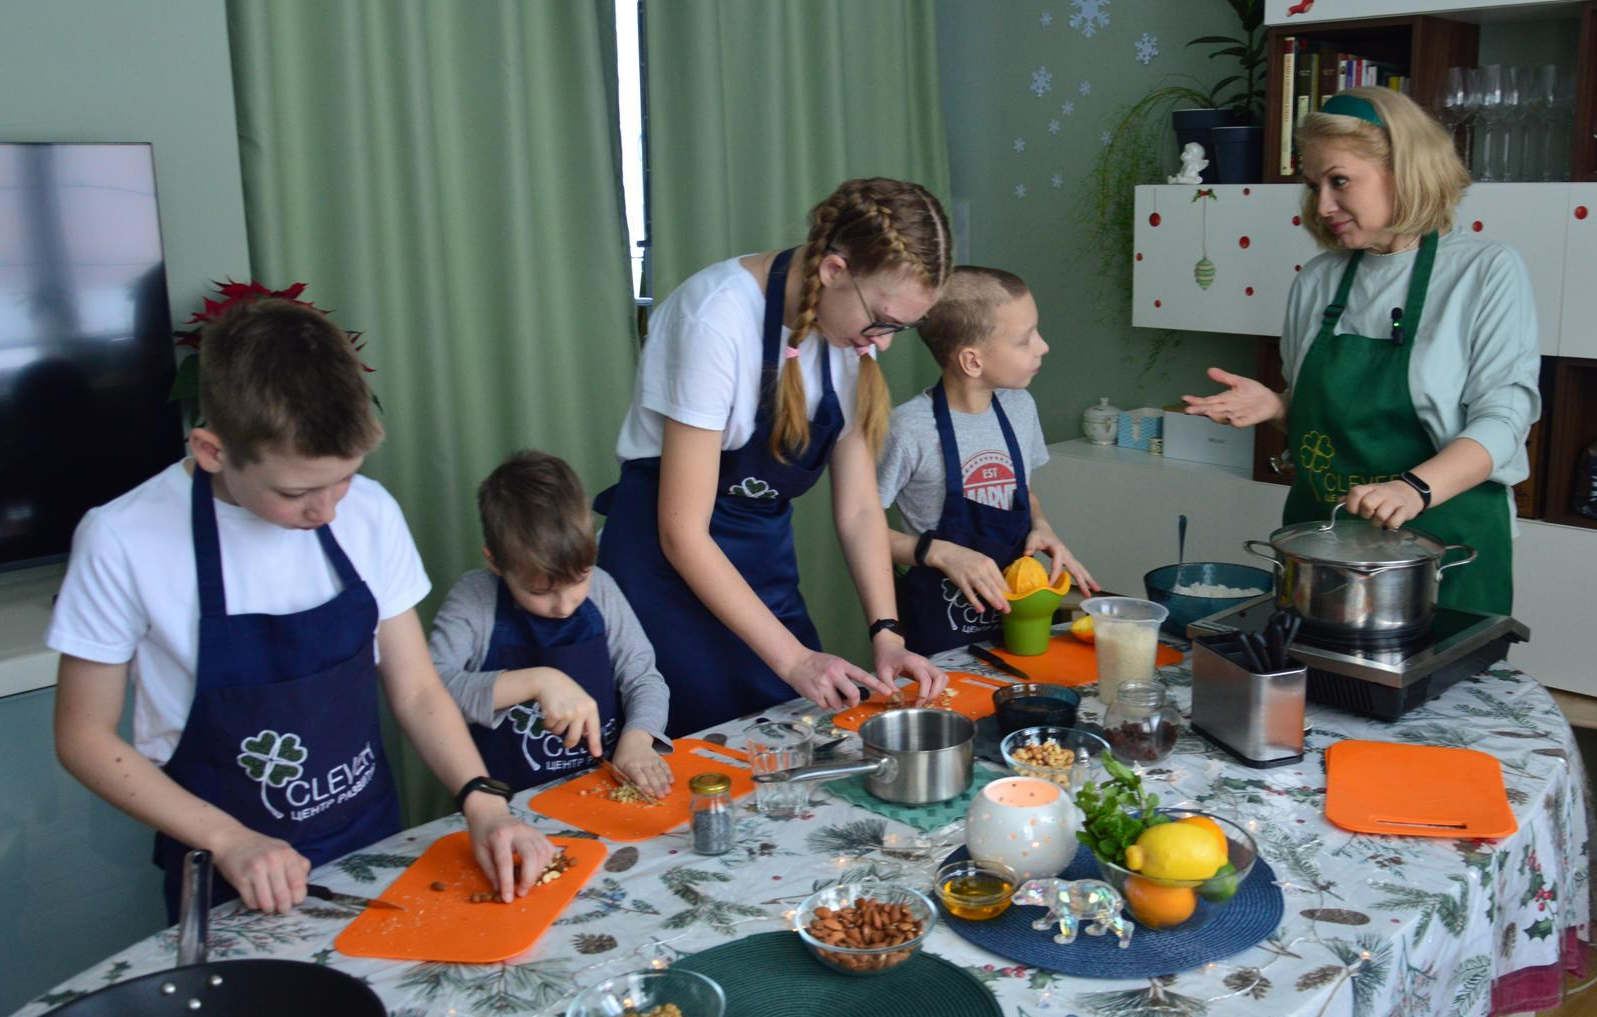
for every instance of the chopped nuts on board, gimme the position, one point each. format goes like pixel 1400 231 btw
pixel 624 793
pixel 868 925
pixel 553 871
pixel 898 701
pixel 1049 753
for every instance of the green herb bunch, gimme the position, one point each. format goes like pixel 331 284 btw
pixel 1116 812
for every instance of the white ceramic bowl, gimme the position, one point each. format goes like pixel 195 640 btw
pixel 1027 823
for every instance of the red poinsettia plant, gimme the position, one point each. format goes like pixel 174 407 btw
pixel 186 385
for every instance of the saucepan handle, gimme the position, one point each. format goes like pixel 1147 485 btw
pixel 884 766
pixel 1252 547
pixel 1473 554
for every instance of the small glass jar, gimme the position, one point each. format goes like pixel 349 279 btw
pixel 1140 725
pixel 710 813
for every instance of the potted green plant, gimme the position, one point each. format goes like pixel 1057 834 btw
pixel 1236 148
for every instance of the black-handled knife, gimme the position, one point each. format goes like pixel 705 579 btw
pixel 321 892
pixel 992 659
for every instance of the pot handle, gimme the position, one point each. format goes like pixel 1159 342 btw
pixel 1473 554
pixel 885 767
pixel 1252 547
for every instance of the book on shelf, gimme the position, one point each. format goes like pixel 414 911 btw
pixel 1288 104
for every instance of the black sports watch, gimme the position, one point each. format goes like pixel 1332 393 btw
pixel 488 784
pixel 923 545
pixel 1424 489
pixel 887 625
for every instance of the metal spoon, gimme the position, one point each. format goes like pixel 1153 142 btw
pixel 1181 545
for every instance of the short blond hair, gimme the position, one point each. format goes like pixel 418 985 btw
pixel 967 312
pixel 1428 179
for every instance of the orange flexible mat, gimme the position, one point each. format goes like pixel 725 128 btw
pixel 597 813
pixel 1416 791
pixel 446 926
pixel 972 696
pixel 1069 661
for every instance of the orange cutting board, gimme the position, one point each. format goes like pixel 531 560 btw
pixel 1416 791
pixel 1069 661
pixel 446 926
pixel 598 814
pixel 973 697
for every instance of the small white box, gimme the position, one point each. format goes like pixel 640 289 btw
pixel 1201 440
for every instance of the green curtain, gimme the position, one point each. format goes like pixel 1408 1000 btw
pixel 758 109
pixel 445 176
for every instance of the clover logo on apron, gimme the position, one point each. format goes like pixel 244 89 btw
pixel 272 760
pixel 276 760
pixel 962 617
pixel 753 487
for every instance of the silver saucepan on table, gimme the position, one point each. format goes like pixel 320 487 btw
pixel 912 757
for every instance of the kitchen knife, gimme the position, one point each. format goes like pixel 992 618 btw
pixel 349 899
pixel 992 659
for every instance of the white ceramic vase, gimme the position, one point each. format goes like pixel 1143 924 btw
pixel 1026 823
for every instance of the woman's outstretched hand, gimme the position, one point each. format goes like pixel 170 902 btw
pixel 1244 402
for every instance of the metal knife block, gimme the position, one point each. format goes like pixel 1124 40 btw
pixel 1258 718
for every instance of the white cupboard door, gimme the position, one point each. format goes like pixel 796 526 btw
pixel 1529 218
pixel 1308 12
pixel 1578 331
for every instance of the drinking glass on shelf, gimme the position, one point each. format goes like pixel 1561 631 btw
pixel 1491 123
pixel 1560 123
pixel 1455 113
pixel 1537 96
pixel 1513 122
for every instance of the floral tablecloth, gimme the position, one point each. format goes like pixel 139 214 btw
pixel 1374 926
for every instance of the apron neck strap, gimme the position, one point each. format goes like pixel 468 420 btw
pixel 1338 304
pixel 771 334
pixel 1419 283
pixel 953 476
pixel 207 546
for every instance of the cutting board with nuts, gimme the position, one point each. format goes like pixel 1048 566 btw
pixel 451 914
pixel 596 803
pixel 969 694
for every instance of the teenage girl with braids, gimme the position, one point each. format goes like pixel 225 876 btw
pixel 760 371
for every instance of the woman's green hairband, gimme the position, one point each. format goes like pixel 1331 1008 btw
pixel 1352 106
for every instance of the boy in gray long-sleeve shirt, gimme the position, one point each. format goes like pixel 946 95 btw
pixel 541 650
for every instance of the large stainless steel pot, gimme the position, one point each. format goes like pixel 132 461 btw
pixel 1355 580
pixel 912 757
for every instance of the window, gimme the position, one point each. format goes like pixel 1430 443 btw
pixel 634 141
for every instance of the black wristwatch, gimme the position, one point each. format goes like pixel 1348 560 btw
pixel 488 784
pixel 923 545
pixel 1424 489
pixel 885 624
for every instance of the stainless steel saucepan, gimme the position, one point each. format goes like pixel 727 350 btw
pixel 912 757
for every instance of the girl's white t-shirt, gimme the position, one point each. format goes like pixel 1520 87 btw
pixel 701 363
pixel 131 595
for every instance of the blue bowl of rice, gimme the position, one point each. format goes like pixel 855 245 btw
pixel 1203 588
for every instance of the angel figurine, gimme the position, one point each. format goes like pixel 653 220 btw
pixel 1192 165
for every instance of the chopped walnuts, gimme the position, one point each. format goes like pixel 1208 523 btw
pixel 899 701
pixel 624 793
pixel 1049 753
pixel 553 871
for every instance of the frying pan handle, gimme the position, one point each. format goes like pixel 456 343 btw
pixel 884 766
pixel 1252 547
pixel 1473 554
pixel 194 914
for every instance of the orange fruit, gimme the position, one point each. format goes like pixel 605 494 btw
pixel 1208 824
pixel 1159 907
pixel 1081 628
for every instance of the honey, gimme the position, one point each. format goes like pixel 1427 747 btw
pixel 976 895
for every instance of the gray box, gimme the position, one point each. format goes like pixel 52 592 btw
pixel 1256 717
pixel 1200 440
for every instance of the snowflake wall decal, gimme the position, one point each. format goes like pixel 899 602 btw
pixel 1019 145
pixel 1058 180
pixel 1041 81
pixel 1085 88
pixel 1089 16
pixel 1147 48
pixel 1020 190
pixel 1104 138
pixel 1046 19
pixel 1067 108
pixel 1053 127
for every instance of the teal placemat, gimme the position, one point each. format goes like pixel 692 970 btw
pixel 774 975
pixel 921 817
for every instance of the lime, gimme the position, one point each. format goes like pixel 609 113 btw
pixel 1222 887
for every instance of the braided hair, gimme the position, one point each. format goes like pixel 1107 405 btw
pixel 877 224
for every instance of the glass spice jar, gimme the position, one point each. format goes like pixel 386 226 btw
pixel 1140 725
pixel 710 813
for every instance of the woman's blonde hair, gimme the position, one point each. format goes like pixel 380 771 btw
pixel 1428 179
pixel 878 225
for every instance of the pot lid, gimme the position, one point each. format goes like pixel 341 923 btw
pixel 1356 542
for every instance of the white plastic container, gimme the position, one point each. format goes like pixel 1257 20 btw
pixel 1125 636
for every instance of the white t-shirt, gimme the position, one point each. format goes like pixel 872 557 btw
pixel 131 594
pixel 701 364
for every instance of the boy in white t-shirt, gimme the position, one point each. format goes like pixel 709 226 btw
pixel 957 462
pixel 256 627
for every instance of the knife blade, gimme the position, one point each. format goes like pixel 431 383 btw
pixel 321 892
pixel 616 775
pixel 992 659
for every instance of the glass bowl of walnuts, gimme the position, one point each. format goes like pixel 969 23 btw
pixel 1066 756
pixel 865 928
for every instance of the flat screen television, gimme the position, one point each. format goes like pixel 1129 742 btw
pixel 86 355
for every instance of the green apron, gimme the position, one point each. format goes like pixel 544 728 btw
pixel 1352 421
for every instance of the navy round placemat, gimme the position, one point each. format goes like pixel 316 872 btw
pixel 1251 915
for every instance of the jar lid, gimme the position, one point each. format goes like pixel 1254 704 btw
pixel 1139 695
pixel 710 784
pixel 1357 542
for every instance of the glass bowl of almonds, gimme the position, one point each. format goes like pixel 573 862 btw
pixel 1064 755
pixel 667 992
pixel 865 928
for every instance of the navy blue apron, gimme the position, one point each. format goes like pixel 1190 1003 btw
pixel 713 674
pixel 284 733
pixel 519 751
pixel 935 615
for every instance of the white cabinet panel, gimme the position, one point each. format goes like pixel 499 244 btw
pixel 1530 219
pixel 1578 331
pixel 1308 12
pixel 1251 240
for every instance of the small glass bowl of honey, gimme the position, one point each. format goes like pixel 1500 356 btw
pixel 976 890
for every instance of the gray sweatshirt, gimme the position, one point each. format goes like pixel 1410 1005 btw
pixel 465 624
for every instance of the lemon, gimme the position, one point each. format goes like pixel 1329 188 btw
pixel 1081 628
pixel 1175 851
pixel 1025 575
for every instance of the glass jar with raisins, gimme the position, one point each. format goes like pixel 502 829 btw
pixel 1141 726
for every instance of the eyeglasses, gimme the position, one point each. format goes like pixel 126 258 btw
pixel 878 328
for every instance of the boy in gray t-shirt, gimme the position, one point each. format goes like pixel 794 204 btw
pixel 983 333
pixel 541 650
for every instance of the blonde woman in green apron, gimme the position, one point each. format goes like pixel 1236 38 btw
pixel 1410 347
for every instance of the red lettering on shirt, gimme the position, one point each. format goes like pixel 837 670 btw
pixel 990 479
